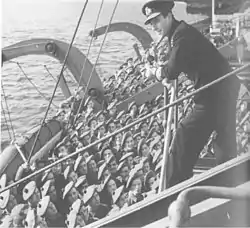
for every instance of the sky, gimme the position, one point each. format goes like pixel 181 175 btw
pixel 27 1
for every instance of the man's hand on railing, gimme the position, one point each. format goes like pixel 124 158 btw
pixel 166 83
pixel 150 72
pixel 161 77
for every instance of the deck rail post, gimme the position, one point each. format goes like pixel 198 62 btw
pixel 165 160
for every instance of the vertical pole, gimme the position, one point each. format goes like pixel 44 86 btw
pixel 240 45
pixel 237 27
pixel 166 111
pixel 176 106
pixel 213 14
pixel 164 176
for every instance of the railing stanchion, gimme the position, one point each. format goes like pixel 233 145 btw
pixel 166 111
pixel 176 106
pixel 164 168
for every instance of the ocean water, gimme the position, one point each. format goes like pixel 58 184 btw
pixel 57 19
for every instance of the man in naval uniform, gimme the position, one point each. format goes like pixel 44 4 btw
pixel 215 107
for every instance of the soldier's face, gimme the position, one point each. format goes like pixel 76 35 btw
pixel 161 25
pixel 73 196
pixel 57 169
pixel 129 143
pixel 92 166
pixel 124 173
pixel 51 210
pixel 112 167
pixel 136 185
pixel 52 193
pixel 102 130
pixel 145 150
pixel 106 173
pixel 73 176
pixel 111 186
pixel 101 118
pixel 83 169
pixel 151 182
pixel 146 167
pixel 106 154
pixel 95 200
pixel 112 127
pixel 63 150
pixel 130 161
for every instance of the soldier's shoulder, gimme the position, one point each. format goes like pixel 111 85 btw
pixel 183 30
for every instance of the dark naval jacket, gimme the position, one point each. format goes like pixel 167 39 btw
pixel 194 55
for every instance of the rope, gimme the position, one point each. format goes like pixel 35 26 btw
pixel 60 75
pixel 125 128
pixel 106 33
pixel 6 121
pixel 7 108
pixel 46 98
pixel 92 38
pixel 46 68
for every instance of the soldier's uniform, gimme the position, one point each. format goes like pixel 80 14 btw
pixel 18 215
pixel 215 107
pixel 55 219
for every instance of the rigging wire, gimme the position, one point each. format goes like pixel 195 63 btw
pixel 179 100
pixel 46 98
pixel 82 71
pixel 46 68
pixel 7 108
pixel 6 121
pixel 92 71
pixel 58 80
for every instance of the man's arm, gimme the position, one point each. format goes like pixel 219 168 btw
pixel 179 57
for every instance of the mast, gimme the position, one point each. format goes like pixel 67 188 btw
pixel 213 14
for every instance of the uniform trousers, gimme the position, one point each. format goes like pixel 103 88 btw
pixel 214 112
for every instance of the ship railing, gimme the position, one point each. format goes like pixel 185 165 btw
pixel 129 126
pixel 181 216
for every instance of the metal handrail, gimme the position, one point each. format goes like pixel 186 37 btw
pixel 126 127
pixel 179 211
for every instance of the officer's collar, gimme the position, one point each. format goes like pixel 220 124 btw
pixel 174 25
